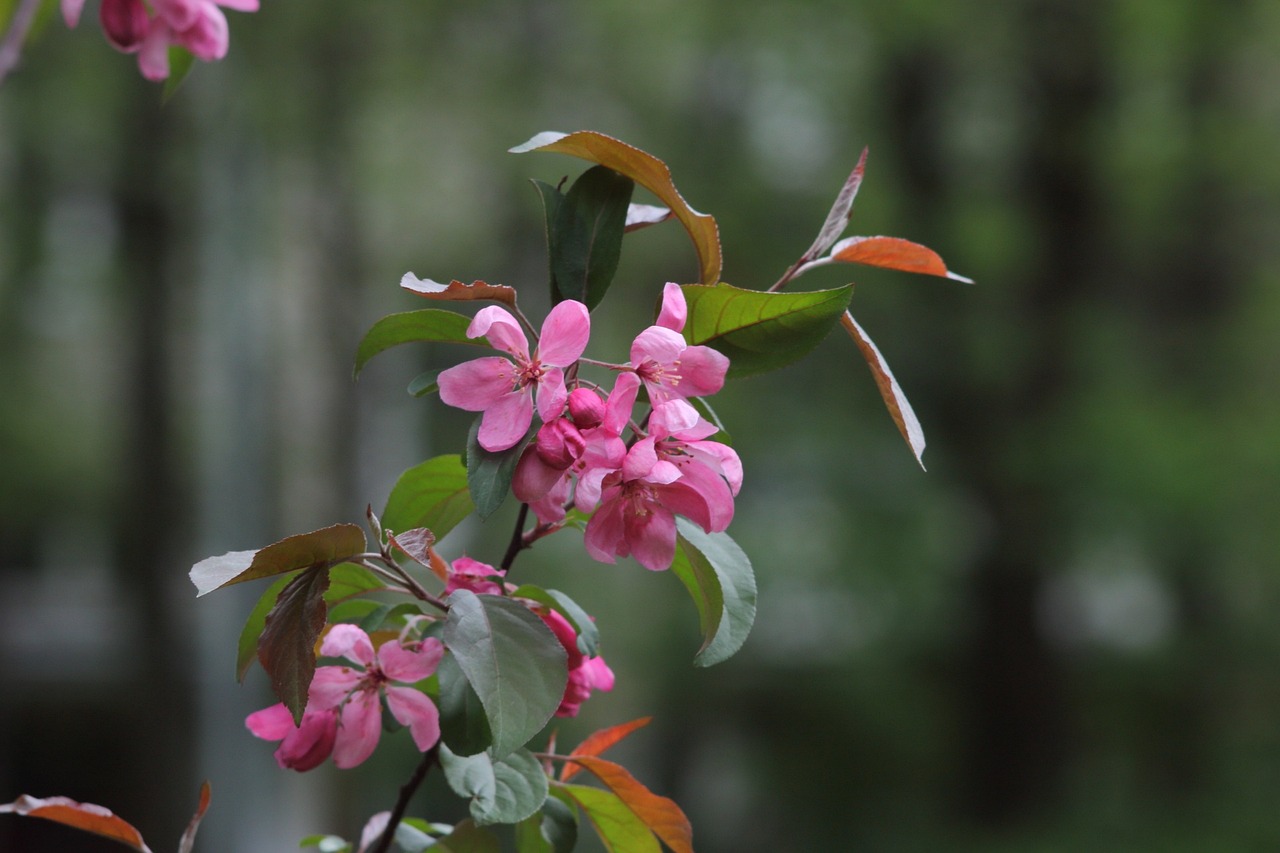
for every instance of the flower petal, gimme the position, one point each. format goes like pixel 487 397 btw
pixel 331 684
pixel 414 709
pixel 564 334
pixel 702 371
pixel 552 395
pixel 506 421
pixel 652 537
pixel 408 664
pixel 495 324
pixel 674 311
pixel 358 729
pixel 310 744
pixel 605 537
pixel 475 385
pixel 348 641
pixel 271 723
pixel 657 344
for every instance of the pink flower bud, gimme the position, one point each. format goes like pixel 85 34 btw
pixel 586 407
pixel 125 23
pixel 559 443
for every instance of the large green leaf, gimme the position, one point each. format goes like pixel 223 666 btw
pixel 318 548
pixel 647 171
pixel 516 665
pixel 621 830
pixel 432 494
pixel 464 728
pixel 761 331
pixel 489 474
pixel 722 584
pixel 588 633
pixel 505 790
pixel 553 829
pixel 426 324
pixel 286 647
pixel 586 235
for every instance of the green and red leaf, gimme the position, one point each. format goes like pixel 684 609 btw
pixel 597 742
pixel 896 401
pixel 84 816
pixel 659 814
pixel 286 647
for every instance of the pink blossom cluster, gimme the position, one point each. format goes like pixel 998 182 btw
pixel 130 26
pixel 343 716
pixel 633 488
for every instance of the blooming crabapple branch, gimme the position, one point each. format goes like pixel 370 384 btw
pixel 392 571
pixel 407 791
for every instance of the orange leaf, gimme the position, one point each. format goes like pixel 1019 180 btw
pixel 456 291
pixel 86 816
pixel 189 836
pixel 893 253
pixel 660 814
pixel 647 171
pixel 598 742
pixel 894 399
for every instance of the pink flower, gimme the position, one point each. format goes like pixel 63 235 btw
pixel 504 390
pixel 124 22
pixel 585 674
pixel 354 692
pixel 301 747
pixel 670 368
pixel 466 573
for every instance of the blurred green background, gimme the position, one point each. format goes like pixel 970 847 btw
pixel 1060 637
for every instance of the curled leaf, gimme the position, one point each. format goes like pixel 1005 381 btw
pixel 647 171
pixel 86 816
pixel 896 401
pixel 456 291
pixel 324 547
pixel 838 217
pixel 643 215
pixel 188 839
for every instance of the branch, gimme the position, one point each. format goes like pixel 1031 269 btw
pixel 11 44
pixel 517 540
pixel 406 794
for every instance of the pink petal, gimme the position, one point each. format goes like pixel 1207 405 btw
pixel 533 477
pixel 674 310
pixel 549 508
pixel 674 417
pixel 566 635
pixel 620 403
pixel 564 334
pixel 125 23
pixel 348 641
pixel 712 508
pixel 407 664
pixel 652 537
pixel 331 684
pixel 71 11
pixel 207 38
pixel 271 723
pixel 502 331
pixel 600 674
pixel 605 536
pixel 239 5
pixel 475 385
pixel 552 395
pixel 721 457
pixel 640 460
pixel 311 743
pixel 506 421
pixel 587 495
pixel 153 56
pixel 586 408
pixel 702 371
pixel 358 729
pixel 178 14
pixel 657 344
pixel 414 709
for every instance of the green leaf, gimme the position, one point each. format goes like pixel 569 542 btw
pixel 247 648
pixel 647 171
pixel 318 548
pixel 761 331
pixel 424 383
pixel 722 584
pixel 432 494
pixel 180 63
pixel 489 474
pixel 553 829
pixel 426 324
pixel 660 814
pixel 505 790
pixel 588 634
pixel 586 235
pixel 347 580
pixel 516 665
pixel 618 826
pixel 468 838
pixel 353 610
pixel 286 647
pixel 550 197
pixel 464 728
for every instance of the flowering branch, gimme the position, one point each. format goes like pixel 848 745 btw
pixel 407 791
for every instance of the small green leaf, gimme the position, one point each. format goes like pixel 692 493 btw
pixel 180 64
pixel 432 494
pixel 516 665
pixel 323 547
pixel 719 577
pixel 506 790
pixel 550 197
pixel 464 728
pixel 424 383
pixel 588 634
pixel 553 829
pixel 468 838
pixel 426 324
pixel 286 647
pixel 761 331
pixel 347 580
pixel 489 474
pixel 326 843
pixel 247 648
pixel 586 235
pixel 618 826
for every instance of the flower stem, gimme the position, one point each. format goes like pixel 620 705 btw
pixel 406 793
pixel 517 540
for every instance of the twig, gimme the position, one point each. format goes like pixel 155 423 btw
pixel 11 44
pixel 406 793
pixel 517 540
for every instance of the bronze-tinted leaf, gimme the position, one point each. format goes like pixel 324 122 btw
pixel 894 399
pixel 456 291
pixel 659 814
pixel 85 816
pixel 286 647
pixel 895 254
pixel 597 742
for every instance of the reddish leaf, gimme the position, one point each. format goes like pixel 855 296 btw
pixel 189 837
pixel 660 814
pixel 86 816
pixel 456 291
pixel 894 399
pixel 324 547
pixel 838 217
pixel 286 647
pixel 415 543
pixel 597 742
pixel 893 253
pixel 647 171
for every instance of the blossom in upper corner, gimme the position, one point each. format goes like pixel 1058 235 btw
pixel 505 390
pixel 302 747
pixel 344 713
pixel 669 367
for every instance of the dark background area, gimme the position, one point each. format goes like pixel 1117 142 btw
pixel 1061 636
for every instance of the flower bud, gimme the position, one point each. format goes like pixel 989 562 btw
pixel 559 443
pixel 125 23
pixel 586 407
